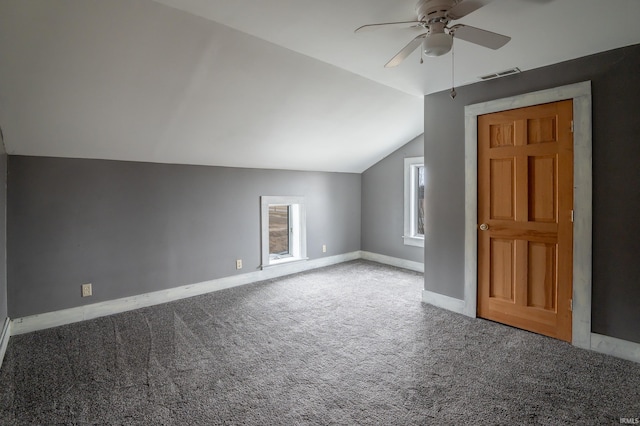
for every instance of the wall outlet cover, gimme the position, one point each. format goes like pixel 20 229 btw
pixel 86 290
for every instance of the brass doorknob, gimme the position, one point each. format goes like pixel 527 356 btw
pixel 484 227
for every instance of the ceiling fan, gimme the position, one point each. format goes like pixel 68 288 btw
pixel 434 17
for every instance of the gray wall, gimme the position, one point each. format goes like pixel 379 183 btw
pixel 3 235
pixel 131 228
pixel 383 205
pixel 615 77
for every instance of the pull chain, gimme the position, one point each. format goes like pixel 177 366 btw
pixel 453 89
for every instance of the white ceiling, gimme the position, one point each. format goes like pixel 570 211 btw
pixel 268 84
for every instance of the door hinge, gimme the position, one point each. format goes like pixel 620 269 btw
pixel 571 216
pixel 571 126
pixel 571 305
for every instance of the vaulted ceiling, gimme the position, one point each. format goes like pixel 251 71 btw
pixel 267 84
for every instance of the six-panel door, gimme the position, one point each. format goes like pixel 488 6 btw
pixel 525 232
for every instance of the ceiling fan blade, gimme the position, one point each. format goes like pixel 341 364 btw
pixel 465 8
pixel 406 51
pixel 388 25
pixel 481 37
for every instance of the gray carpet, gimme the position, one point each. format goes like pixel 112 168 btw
pixel 348 344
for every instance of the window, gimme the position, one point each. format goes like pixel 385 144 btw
pixel 279 227
pixel 284 235
pixel 414 203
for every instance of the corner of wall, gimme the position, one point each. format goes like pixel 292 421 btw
pixel 4 304
pixel 3 148
pixel 383 185
pixel 5 333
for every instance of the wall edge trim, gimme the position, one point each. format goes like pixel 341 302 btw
pixel 442 301
pixel 95 310
pixel 392 261
pixel 4 338
pixel 613 346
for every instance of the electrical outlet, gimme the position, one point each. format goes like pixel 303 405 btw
pixel 86 290
pixel 324 248
pixel 239 264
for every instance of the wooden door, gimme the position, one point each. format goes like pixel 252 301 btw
pixel 525 232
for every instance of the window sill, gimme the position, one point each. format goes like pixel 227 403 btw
pixel 284 260
pixel 413 241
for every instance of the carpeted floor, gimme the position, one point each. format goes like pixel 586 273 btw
pixel 348 344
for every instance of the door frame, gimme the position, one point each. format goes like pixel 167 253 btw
pixel 580 93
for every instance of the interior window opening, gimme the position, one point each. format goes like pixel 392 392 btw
pixel 283 230
pixel 279 231
pixel 414 201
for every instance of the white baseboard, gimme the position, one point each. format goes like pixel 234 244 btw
pixel 615 347
pixel 599 343
pixel 5 333
pixel 604 344
pixel 96 310
pixel 442 301
pixel 392 261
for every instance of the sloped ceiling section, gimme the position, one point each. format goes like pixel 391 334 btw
pixel 138 80
pixel 269 84
pixel 543 32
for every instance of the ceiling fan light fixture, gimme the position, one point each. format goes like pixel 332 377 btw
pixel 437 44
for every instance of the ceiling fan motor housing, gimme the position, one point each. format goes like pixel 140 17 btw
pixel 434 14
pixel 434 10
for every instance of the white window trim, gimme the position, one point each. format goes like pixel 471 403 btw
pixel 410 237
pixel 298 219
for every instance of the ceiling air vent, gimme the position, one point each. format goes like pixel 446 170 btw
pixel 500 74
